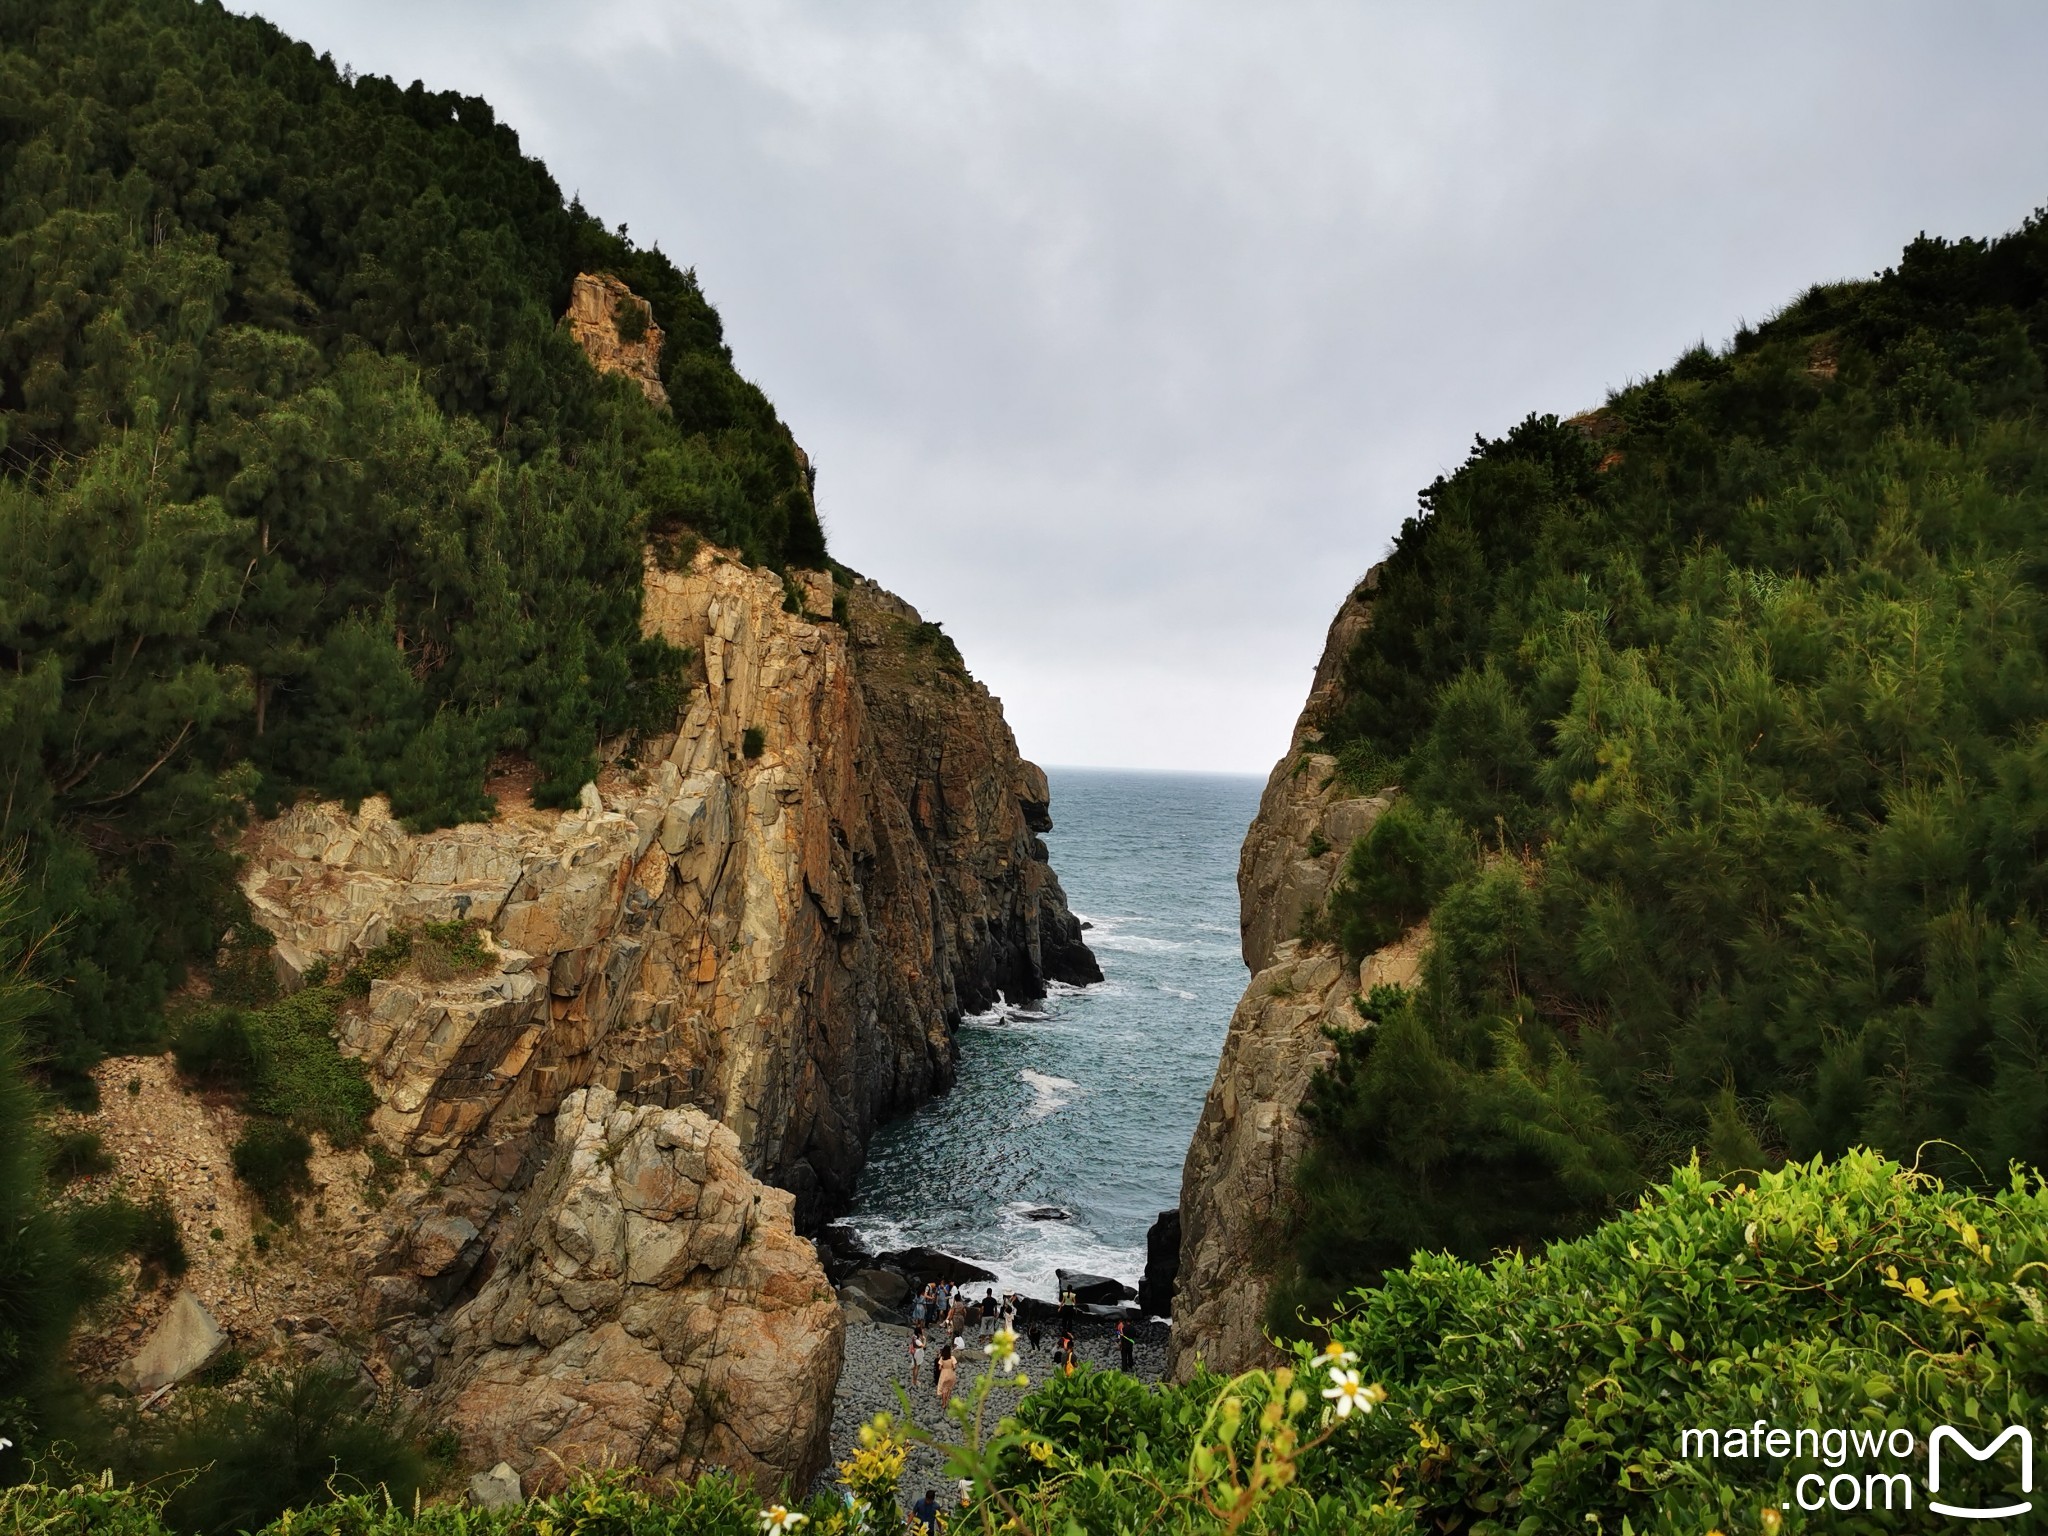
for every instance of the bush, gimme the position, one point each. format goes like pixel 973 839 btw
pixel 1549 1393
pixel 78 1155
pixel 285 1058
pixel 444 951
pixel 213 1046
pixel 270 1157
pixel 1394 874
pixel 754 741
pixel 296 1438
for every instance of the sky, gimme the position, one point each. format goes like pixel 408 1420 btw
pixel 1122 333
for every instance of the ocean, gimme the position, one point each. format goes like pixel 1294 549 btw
pixel 1085 1101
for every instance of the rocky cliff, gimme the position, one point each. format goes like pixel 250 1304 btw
pixel 1236 1181
pixel 629 1052
pixel 770 926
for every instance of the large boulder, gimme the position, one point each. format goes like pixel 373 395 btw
pixel 926 1266
pixel 186 1339
pixel 1162 1264
pixel 654 1308
pixel 1092 1290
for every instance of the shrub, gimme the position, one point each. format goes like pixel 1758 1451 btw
pixel 754 742
pixel 1394 874
pixel 1549 1392
pixel 270 1157
pixel 213 1046
pixel 154 1238
pixel 443 951
pixel 292 1439
pixel 78 1155
pixel 629 319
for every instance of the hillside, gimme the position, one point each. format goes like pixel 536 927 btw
pixel 1674 785
pixel 304 485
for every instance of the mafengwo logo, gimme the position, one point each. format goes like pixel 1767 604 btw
pixel 1946 1436
pixel 1849 1471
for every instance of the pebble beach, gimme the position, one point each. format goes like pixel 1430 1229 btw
pixel 878 1361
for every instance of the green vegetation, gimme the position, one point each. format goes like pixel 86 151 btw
pixel 303 487
pixel 1721 721
pixel 270 1157
pixel 287 1442
pixel 78 1155
pixel 1533 1394
pixel 57 1256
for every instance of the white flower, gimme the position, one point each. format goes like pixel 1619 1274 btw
pixel 1003 1349
pixel 1335 1354
pixel 1348 1392
pixel 6 1444
pixel 779 1521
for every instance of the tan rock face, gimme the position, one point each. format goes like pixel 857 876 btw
pixel 601 310
pixel 759 941
pixel 781 939
pixel 653 1307
pixel 1237 1181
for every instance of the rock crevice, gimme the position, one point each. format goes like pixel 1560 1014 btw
pixel 1236 1184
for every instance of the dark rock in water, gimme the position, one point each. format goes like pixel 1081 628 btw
pixel 1162 1264
pixel 921 1266
pixel 1047 1213
pixel 841 1251
pixel 1093 1290
pixel 886 1286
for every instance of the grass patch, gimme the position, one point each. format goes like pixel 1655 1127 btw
pixel 444 951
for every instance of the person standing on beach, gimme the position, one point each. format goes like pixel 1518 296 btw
pixel 1066 1354
pixel 1127 1349
pixel 1031 1332
pixel 916 1355
pixel 947 1373
pixel 926 1511
pixel 988 1313
pixel 921 1308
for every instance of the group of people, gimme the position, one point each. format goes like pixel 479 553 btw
pixel 952 1311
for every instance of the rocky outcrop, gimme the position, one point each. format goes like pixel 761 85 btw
pixel 976 808
pixel 616 328
pixel 654 1046
pixel 777 922
pixel 652 1307
pixel 1236 1182
pixel 768 928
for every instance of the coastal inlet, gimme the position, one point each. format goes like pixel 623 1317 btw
pixel 1062 1138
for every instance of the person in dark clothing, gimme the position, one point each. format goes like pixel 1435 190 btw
pixel 1032 1333
pixel 1126 1348
pixel 926 1510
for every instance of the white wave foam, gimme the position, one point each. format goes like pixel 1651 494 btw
pixel 1049 1093
pixel 1137 944
pixel 1180 992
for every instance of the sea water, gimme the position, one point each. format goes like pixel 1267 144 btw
pixel 1085 1101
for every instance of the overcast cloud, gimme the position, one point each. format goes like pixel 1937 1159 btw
pixel 1123 334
